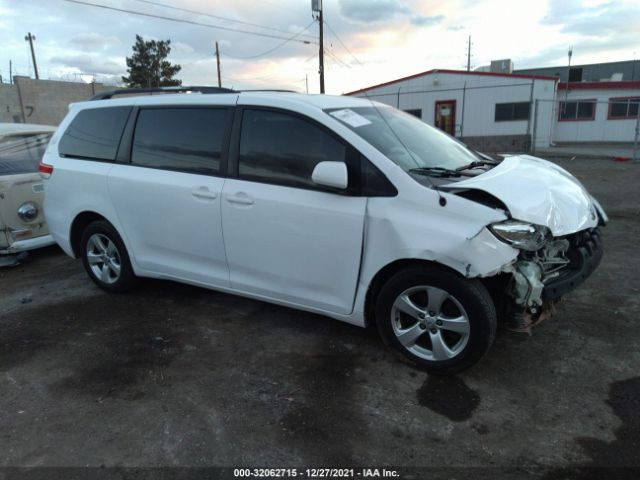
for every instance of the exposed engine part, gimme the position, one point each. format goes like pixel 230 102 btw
pixel 526 288
pixel 553 258
pixel 534 269
pixel 523 319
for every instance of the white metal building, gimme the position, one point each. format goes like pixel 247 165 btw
pixel 591 112
pixel 490 111
pixel 494 111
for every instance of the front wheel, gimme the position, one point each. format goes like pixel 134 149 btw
pixel 105 258
pixel 436 319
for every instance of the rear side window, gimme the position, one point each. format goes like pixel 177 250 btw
pixel 284 149
pixel 182 139
pixel 94 133
pixel 22 153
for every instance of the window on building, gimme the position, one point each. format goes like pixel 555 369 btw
pixel 575 74
pixel 416 112
pixel 577 110
pixel 94 133
pixel 284 149
pixel 512 111
pixel 623 107
pixel 182 139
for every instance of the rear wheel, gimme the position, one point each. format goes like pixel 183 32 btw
pixel 105 257
pixel 436 318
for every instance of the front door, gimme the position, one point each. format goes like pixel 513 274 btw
pixel 446 116
pixel 286 238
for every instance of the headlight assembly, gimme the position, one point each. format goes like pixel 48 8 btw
pixel 522 235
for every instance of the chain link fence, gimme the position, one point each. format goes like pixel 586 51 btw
pixel 585 123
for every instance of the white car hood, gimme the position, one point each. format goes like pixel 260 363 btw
pixel 537 191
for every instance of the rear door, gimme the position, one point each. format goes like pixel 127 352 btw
pixel 20 183
pixel 168 197
pixel 287 238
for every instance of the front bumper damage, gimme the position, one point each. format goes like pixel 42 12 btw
pixel 539 280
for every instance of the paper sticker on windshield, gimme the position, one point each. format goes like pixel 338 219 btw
pixel 350 117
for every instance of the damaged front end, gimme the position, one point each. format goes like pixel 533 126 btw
pixel 539 278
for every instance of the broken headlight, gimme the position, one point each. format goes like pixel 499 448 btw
pixel 522 235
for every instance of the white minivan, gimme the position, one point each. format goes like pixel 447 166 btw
pixel 334 205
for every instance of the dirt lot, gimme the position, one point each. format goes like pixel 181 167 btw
pixel 178 375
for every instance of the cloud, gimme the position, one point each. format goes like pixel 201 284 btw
pixel 93 41
pixel 424 21
pixel 181 47
pixel 90 64
pixel 371 11
pixel 601 19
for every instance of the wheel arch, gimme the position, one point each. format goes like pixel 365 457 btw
pixel 80 222
pixel 388 271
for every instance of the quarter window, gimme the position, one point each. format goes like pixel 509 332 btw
pixel 284 149
pixel 577 110
pixel 623 107
pixel 512 111
pixel 94 133
pixel 182 139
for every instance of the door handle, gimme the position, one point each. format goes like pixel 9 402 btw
pixel 240 199
pixel 204 193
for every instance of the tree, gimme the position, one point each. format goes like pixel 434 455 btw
pixel 148 66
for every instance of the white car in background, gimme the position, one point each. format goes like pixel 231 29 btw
pixel 334 205
pixel 22 223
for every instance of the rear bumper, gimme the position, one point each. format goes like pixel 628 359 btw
pixel 585 258
pixel 29 244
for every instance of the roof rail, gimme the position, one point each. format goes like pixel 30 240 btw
pixel 179 89
pixel 268 90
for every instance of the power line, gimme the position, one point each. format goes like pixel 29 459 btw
pixel 190 22
pixel 276 47
pixel 336 59
pixel 342 43
pixel 196 12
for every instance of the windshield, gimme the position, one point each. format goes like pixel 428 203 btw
pixel 404 139
pixel 22 153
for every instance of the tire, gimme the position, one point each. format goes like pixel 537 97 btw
pixel 435 318
pixel 105 258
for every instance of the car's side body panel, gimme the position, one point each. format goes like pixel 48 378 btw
pixel 298 245
pixel 16 190
pixel 180 232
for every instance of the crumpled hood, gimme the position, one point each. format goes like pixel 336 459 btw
pixel 537 191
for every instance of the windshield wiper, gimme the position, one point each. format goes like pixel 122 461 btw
pixel 435 171
pixel 475 164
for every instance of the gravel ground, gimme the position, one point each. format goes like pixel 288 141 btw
pixel 175 375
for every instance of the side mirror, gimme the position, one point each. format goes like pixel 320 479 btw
pixel 331 174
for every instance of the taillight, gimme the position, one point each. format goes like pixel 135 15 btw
pixel 45 170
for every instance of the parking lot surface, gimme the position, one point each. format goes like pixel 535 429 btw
pixel 179 375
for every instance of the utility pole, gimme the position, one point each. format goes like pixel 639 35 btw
pixel 316 7
pixel 30 38
pixel 11 72
pixel 469 55
pixel 218 63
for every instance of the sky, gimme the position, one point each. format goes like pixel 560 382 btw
pixel 366 41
